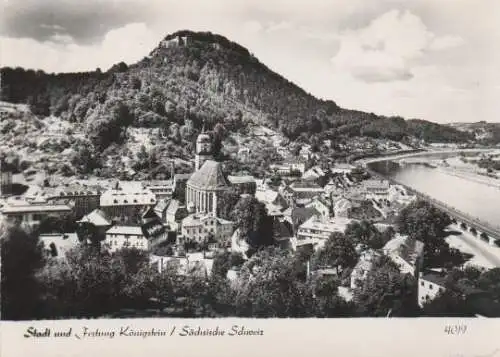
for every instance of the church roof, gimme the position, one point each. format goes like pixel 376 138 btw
pixel 209 177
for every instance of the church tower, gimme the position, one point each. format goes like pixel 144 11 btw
pixel 203 149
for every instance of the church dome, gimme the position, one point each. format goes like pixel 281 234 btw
pixel 209 177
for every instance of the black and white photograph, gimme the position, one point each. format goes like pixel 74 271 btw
pixel 272 159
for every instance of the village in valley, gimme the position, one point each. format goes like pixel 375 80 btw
pixel 354 236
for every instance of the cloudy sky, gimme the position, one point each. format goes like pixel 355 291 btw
pixel 432 59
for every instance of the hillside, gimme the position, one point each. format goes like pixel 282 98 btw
pixel 190 79
pixel 483 132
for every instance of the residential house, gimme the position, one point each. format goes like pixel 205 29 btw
pixel 161 209
pixel 306 189
pixel 85 198
pixel 243 184
pixel 175 213
pixel 98 219
pixel 407 253
pixel 190 264
pixel 289 168
pixel 206 227
pixel 297 215
pixel 430 284
pixel 321 205
pixel 126 205
pixel 162 189
pixel 31 213
pixel 119 237
pixel 268 196
pixel 316 231
pixel 153 228
pixel 376 189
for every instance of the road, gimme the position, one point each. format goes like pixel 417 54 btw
pixel 490 253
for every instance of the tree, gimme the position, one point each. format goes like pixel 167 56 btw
pixel 21 257
pixel 88 233
pixel 90 284
pixel 253 222
pixel 228 200
pixel 225 261
pixel 338 252
pixel 327 302
pixel 366 234
pixel 490 281
pixel 267 287
pixel 424 222
pixel 109 125
pixel 386 291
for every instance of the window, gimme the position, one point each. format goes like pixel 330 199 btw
pixel 422 284
pixel 430 286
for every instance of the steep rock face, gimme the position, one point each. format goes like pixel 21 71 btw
pixel 196 77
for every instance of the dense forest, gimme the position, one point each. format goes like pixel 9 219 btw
pixel 200 77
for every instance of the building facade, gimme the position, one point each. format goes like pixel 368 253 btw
pixel 126 206
pixel 31 213
pixel 204 227
pixel 316 231
pixel 118 237
pixel 85 198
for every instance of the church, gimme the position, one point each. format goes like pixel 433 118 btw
pixel 207 182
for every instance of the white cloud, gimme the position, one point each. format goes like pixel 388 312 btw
pixel 129 44
pixel 279 26
pixel 446 42
pixel 252 27
pixel 388 47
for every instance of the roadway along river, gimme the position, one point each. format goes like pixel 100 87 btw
pixel 476 199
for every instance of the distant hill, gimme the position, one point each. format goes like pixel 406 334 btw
pixel 483 132
pixel 200 77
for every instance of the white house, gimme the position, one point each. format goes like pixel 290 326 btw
pixel 200 227
pixel 362 268
pixel 118 237
pixel 377 189
pixel 430 285
pixel 321 205
pixel 126 203
pixel 316 231
pixel 191 264
pixel 31 213
pixel 406 253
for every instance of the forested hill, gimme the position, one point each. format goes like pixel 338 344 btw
pixel 195 77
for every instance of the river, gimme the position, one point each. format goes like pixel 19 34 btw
pixel 474 198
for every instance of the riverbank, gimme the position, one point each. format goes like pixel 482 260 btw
pixel 470 176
